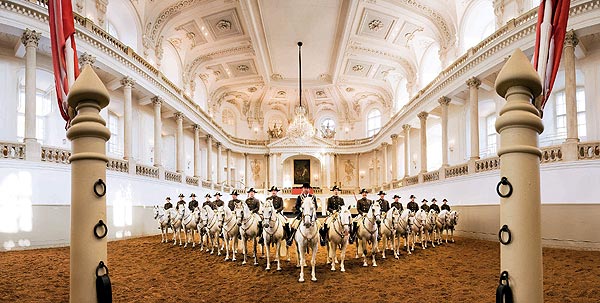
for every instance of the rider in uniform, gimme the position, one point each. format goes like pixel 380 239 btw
pixel 298 211
pixel 218 202
pixel 193 204
pixel 445 206
pixel 234 200
pixel 397 203
pixel 277 203
pixel 207 202
pixel 434 206
pixel 385 205
pixel 412 205
pixel 334 204
pixel 425 207
pixel 362 206
pixel 180 202
pixel 253 206
pixel 168 204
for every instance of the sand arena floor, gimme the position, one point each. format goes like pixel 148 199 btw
pixel 144 270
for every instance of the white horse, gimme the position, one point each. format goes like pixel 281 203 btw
pixel 417 222
pixel 231 230
pixel 429 227
pixel 368 231
pixel 176 217
pixel 451 222
pixel 338 235
pixel 213 228
pixel 163 219
pixel 307 237
pixel 248 224
pixel 403 229
pixel 388 229
pixel 273 233
pixel 190 224
pixel 440 225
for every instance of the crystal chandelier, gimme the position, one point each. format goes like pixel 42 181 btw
pixel 300 129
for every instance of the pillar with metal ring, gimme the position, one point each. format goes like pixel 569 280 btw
pixel 519 126
pixel 88 135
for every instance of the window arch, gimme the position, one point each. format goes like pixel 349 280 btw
pixel 373 122
pixel 430 64
pixel 478 23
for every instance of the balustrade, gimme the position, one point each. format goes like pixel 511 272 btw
pixel 12 150
pixel 57 155
pixel 146 171
pixel 117 165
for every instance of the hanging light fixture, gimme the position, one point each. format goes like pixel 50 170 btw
pixel 300 129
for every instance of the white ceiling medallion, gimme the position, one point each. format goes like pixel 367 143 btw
pixel 223 25
pixel 376 25
pixel 358 68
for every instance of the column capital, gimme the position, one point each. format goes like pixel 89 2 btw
pixel 218 145
pixel 394 137
pixel 157 101
pixel 208 136
pixel 179 116
pixel 406 127
pixel 30 38
pixel 384 144
pixel 571 39
pixel 128 82
pixel 196 127
pixel 423 115
pixel 87 59
pixel 444 101
pixel 473 82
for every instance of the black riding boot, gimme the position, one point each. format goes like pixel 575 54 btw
pixel 290 239
pixel 260 233
pixel 323 231
pixel 378 232
pixel 353 233
pixel 286 231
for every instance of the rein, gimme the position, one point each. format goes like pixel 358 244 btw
pixel 372 222
pixel 337 219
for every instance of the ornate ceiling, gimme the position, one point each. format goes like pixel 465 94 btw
pixel 245 51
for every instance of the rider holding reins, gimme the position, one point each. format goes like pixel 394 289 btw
pixel 334 204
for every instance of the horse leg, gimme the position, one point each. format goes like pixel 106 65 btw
pixel 268 255
pixel 313 261
pixel 278 254
pixel 452 231
pixel 343 254
pixel 301 262
pixel 363 244
pixel 255 242
pixel 226 239
pixel 373 253
pixel 385 243
pixel 244 248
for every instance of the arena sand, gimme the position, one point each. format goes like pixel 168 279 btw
pixel 145 270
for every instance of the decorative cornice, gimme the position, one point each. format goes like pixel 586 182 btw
pixel 30 38
pixel 446 30
pixel 236 50
pixel 473 82
pixel 164 16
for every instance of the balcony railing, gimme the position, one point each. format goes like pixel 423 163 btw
pixel 56 155
pixel 10 150
pixel 551 154
pixel 117 165
pixel 189 180
pixel 146 171
pixel 431 176
pixel 172 176
pixel 457 170
pixel 589 150
pixel 487 164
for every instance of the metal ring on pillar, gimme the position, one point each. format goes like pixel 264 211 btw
pixel 503 292
pixel 100 224
pixel 504 181
pixel 504 229
pixel 102 185
pixel 103 286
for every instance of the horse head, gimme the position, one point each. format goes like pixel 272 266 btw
pixel 375 211
pixel 156 211
pixel 202 216
pixel 239 213
pixel 267 213
pixel 309 213
pixel 345 218
pixel 453 218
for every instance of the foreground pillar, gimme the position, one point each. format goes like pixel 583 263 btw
pixel 88 135
pixel 519 126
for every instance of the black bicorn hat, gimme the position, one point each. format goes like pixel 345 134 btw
pixel 444 200
pixel 218 194
pixel 335 187
pixel 274 188
pixel 207 196
pixel 193 195
pixel 306 185
pixel 381 192
pixel 169 198
pixel 412 196
pixel 181 196
pixel 396 196
pixel 425 200
pixel 364 191
pixel 251 190
pixel 433 200
pixel 234 192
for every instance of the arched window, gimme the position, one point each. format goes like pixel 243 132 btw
pixel 477 24
pixel 373 122
pixel 112 30
pixel 430 64
pixel 228 118
pixel 328 128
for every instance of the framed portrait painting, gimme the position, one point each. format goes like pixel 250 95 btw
pixel 301 171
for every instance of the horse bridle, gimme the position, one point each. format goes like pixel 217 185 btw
pixel 337 218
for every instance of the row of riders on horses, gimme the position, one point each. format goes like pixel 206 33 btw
pixel 264 223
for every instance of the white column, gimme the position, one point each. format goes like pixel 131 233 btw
pixel 180 149
pixel 197 151
pixel 267 171
pixel 228 174
pixel 423 119
pixel 394 157
pixel 219 165
pixel 157 101
pixel 246 170
pixel 444 101
pixel 209 158
pixel 385 168
pixel 30 39
pixel 571 86
pixel 357 170
pixel 406 129
pixel 128 84
pixel 473 84
pixel 336 168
